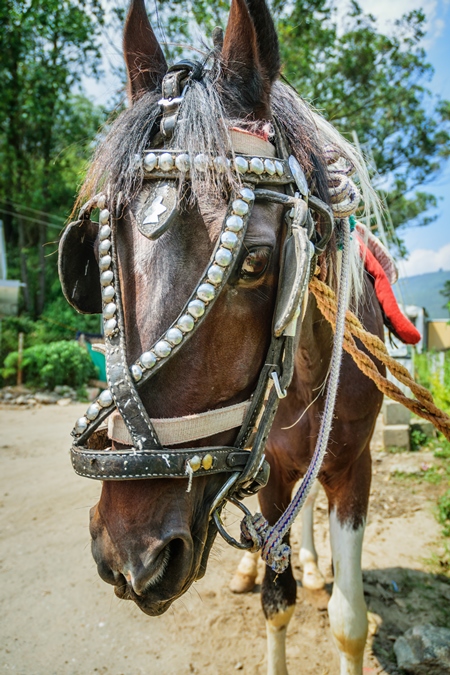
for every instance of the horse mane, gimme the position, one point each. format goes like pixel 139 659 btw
pixel 204 127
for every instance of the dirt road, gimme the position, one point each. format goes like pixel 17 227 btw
pixel 59 618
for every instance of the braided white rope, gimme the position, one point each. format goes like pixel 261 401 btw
pixel 256 528
pixel 344 194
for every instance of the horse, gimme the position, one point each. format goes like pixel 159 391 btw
pixel 218 171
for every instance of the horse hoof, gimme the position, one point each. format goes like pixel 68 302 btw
pixel 242 583
pixel 312 577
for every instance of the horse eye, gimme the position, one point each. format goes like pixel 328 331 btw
pixel 255 264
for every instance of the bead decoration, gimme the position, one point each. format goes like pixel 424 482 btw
pixel 171 162
pixel 162 349
pixel 110 327
pixel 104 232
pixel 185 323
pixel 105 399
pixel 106 278
pixel 105 262
pixel 81 425
pixel 247 195
pixel 196 308
pixel 195 462
pixel 240 208
pixel 207 462
pixel 150 161
pixel 148 360
pixel 108 293
pixel 109 310
pixel 174 336
pixel 104 217
pixel 165 162
pixel 257 166
pixel 215 274
pixel 104 246
pixel 93 411
pixel 229 240
pixel 136 372
pixel 235 223
pixel 223 257
pixel 206 292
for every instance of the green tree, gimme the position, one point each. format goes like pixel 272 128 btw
pixel 46 130
pixel 446 293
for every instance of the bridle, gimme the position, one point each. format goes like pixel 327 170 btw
pixel 164 168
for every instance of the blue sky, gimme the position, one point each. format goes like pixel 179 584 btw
pixel 429 247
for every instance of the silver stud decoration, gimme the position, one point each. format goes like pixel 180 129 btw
pixel 105 262
pixel 247 195
pixel 269 167
pixel 162 349
pixel 229 240
pixel 241 164
pixel 148 360
pixel 215 274
pixel 105 399
pixel 110 327
pixel 104 246
pixel 185 323
pixel 235 223
pixel 183 163
pixel 108 292
pixel 81 425
pixel 106 277
pixel 174 336
pixel 104 217
pixel 206 292
pixel 223 257
pixel 257 166
pixel 201 162
pixel 104 232
pixel 166 162
pixel 93 411
pixel 136 372
pixel 150 161
pixel 109 310
pixel 279 168
pixel 240 208
pixel 196 308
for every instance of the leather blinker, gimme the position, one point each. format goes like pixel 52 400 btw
pixel 294 277
pixel 78 268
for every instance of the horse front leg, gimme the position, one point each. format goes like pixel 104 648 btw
pixel 347 609
pixel 278 591
pixel 312 578
pixel 245 576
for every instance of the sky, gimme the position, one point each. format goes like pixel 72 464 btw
pixel 429 247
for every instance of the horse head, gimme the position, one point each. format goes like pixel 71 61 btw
pixel 189 251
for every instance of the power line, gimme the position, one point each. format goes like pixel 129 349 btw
pixel 28 208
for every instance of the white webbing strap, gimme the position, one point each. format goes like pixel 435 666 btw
pixel 174 430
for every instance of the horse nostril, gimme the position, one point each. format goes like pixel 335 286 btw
pixel 148 572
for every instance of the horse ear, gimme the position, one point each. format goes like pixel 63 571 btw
pixel 144 58
pixel 250 55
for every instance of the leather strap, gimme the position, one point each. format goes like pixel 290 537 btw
pixel 166 463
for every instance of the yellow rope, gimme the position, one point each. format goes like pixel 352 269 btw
pixel 423 404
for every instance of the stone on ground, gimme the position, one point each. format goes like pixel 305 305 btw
pixel 424 650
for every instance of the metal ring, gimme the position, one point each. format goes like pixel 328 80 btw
pixel 281 393
pixel 228 538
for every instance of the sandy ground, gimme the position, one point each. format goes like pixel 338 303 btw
pixel 58 617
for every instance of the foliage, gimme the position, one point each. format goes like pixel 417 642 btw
pixel 446 293
pixel 46 129
pixel 418 439
pixel 362 80
pixel 444 512
pixel 434 374
pixel 48 365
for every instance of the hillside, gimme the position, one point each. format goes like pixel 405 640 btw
pixel 424 290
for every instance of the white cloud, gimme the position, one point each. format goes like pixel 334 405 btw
pixel 424 260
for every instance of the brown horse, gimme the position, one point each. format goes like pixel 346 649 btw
pixel 151 537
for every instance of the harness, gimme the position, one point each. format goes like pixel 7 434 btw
pixel 129 422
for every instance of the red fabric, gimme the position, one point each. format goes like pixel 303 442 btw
pixel 402 327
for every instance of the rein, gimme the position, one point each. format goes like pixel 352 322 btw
pixel 130 425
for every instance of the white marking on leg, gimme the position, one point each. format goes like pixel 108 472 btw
pixel 312 577
pixel 276 628
pixel 245 575
pixel 347 609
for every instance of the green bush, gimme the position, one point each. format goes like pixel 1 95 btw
pixel 48 365
pixel 444 512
